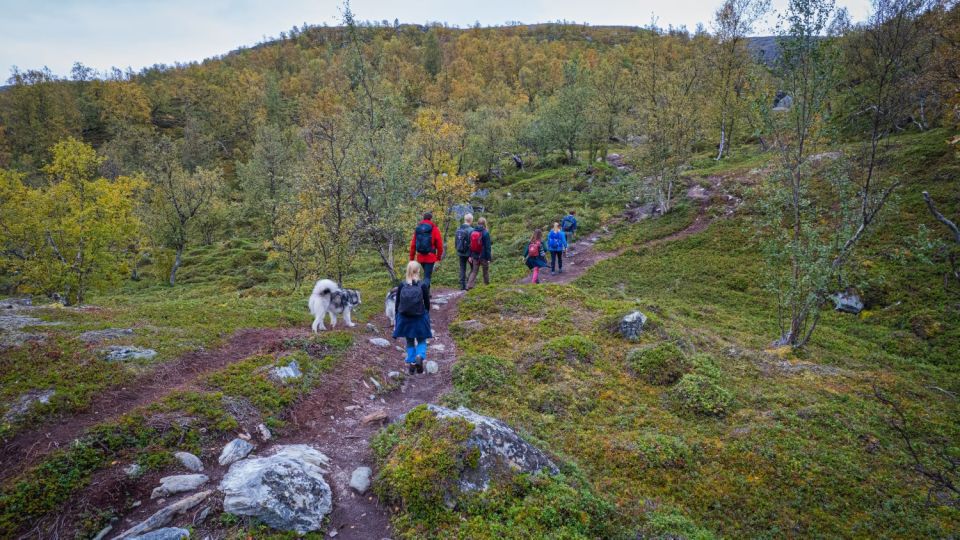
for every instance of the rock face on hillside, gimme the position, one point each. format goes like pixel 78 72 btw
pixel 286 490
pixel 847 302
pixel 502 450
pixel 120 353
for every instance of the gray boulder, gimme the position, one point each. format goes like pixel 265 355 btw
pixel 96 336
pixel 122 353
pixel 502 450
pixel 235 450
pixel 190 461
pixel 847 302
pixel 290 371
pixel 166 533
pixel 431 367
pixel 171 485
pixel 286 490
pixel 360 479
pixel 631 325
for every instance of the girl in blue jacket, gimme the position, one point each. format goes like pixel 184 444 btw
pixel 557 244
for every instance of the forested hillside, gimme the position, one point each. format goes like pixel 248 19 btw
pixel 784 223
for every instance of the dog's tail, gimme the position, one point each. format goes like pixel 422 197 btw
pixel 324 287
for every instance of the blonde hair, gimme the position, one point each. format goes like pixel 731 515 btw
pixel 482 221
pixel 556 226
pixel 413 272
pixel 468 218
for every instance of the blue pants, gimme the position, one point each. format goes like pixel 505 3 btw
pixel 427 272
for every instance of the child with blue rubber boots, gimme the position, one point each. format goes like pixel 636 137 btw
pixel 412 310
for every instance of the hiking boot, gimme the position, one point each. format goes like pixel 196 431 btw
pixel 411 368
pixel 419 364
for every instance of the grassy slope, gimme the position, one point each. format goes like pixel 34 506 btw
pixel 806 453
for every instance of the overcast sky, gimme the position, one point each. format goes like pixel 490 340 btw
pixel 138 33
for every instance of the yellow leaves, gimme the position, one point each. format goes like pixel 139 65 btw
pixel 72 161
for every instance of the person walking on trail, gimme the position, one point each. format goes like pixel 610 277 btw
pixel 462 245
pixel 412 310
pixel 480 253
pixel 535 255
pixel 569 226
pixel 556 244
pixel 426 246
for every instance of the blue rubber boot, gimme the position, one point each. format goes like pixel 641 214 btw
pixel 411 361
pixel 421 355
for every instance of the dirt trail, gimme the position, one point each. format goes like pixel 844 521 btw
pixel 331 420
pixel 27 447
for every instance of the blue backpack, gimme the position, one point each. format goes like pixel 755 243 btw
pixel 555 241
pixel 569 223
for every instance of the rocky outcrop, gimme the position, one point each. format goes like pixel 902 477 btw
pixel 21 407
pixel 289 371
pixel 171 485
pixel 631 325
pixel 286 490
pixel 235 450
pixel 166 533
pixel 122 353
pixel 164 515
pixel 847 302
pixel 502 450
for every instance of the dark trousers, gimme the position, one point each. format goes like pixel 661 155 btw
pixel 427 272
pixel 556 257
pixel 475 267
pixel 464 260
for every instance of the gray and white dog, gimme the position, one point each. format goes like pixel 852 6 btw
pixel 390 306
pixel 328 297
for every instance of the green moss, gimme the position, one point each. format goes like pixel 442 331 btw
pixel 702 395
pixel 570 349
pixel 660 365
pixel 664 451
pixel 668 524
pixel 474 372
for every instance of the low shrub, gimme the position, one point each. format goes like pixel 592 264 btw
pixel 702 395
pixel 570 349
pixel 659 365
pixel 474 372
pixel 664 451
pixel 669 524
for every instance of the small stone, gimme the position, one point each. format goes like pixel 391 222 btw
pixel 190 461
pixel 290 371
pixel 120 353
pixel 393 375
pixel 379 415
pixel 847 302
pixel 235 450
pixel 631 325
pixel 372 328
pixel 431 367
pixel 360 479
pixel 439 347
pixel 133 470
pixel 264 432
pixel 351 407
pixel 380 342
pixel 171 485
pixel 376 384
pixel 103 533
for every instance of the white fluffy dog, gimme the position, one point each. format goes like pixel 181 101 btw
pixel 328 297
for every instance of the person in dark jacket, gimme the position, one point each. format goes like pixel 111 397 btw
pixel 434 251
pixel 556 244
pixel 535 256
pixel 569 226
pixel 462 245
pixel 482 258
pixel 413 322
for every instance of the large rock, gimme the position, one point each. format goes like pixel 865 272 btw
pixel 166 533
pixel 289 371
pixel 96 336
pixel 190 461
pixel 171 485
pixel 235 450
pixel 286 490
pixel 847 302
pixel 502 450
pixel 631 325
pixel 122 353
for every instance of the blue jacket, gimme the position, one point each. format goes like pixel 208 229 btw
pixel 556 241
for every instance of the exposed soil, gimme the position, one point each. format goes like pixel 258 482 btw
pixel 27 447
pixel 330 419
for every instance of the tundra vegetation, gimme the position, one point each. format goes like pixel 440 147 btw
pixel 193 200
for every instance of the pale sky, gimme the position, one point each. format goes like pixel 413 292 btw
pixel 138 33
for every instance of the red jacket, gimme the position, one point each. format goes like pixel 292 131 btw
pixel 437 245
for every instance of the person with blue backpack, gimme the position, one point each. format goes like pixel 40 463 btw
pixel 412 310
pixel 556 245
pixel 426 246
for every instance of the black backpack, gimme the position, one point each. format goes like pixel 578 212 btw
pixel 410 300
pixel 424 238
pixel 462 241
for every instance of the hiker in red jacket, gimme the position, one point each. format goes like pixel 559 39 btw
pixel 426 246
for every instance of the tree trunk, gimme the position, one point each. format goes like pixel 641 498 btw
pixel 176 265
